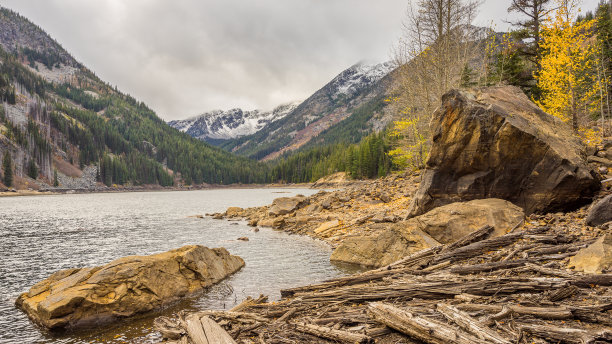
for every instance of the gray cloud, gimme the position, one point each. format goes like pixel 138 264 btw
pixel 184 57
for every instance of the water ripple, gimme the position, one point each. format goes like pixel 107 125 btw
pixel 40 235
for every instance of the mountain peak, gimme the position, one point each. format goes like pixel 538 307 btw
pixel 230 124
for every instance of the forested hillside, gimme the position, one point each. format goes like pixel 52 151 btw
pixel 58 120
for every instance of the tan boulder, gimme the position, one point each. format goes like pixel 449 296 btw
pixel 442 225
pixel 596 258
pixel 286 205
pixel 125 287
pixel 496 143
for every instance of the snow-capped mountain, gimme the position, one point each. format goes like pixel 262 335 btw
pixel 266 135
pixel 360 86
pixel 230 124
pixel 359 76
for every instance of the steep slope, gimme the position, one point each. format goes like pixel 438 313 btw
pixel 335 104
pixel 61 125
pixel 231 124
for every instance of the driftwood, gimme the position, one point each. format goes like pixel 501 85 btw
pixel 420 328
pixel 329 333
pixel 515 288
pixel 196 329
pixel 471 325
pixel 568 335
pixel 478 235
pixel 248 302
pixel 477 248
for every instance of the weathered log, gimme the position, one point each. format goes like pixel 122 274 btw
pixel 487 267
pixel 329 333
pixel 237 316
pixel 401 266
pixel 568 335
pixel 444 288
pixel 287 315
pixel 215 333
pixel 248 302
pixel 560 248
pixel 563 293
pixel 477 248
pixel 588 281
pixel 504 313
pixel 423 329
pixel 553 313
pixel 469 324
pixel 195 330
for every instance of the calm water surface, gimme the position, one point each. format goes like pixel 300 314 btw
pixel 42 234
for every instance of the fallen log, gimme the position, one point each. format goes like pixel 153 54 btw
pixel 469 324
pixel 329 333
pixel 248 302
pixel 215 333
pixel 423 329
pixel 568 335
pixel 477 248
pixel 552 313
pixel 195 331
pixel 287 315
pixel 478 235
pixel 487 267
pixel 401 266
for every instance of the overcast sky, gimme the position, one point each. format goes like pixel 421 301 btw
pixel 184 57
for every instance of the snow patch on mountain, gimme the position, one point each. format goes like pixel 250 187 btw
pixel 230 124
pixel 359 76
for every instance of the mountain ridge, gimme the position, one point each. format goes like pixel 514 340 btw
pixel 333 104
pixel 230 124
pixel 58 119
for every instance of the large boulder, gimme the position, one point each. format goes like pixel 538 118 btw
pixel 442 225
pixel 286 205
pixel 596 258
pixel 495 143
pixel 125 287
pixel 601 212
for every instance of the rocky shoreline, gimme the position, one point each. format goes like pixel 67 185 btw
pixel 504 238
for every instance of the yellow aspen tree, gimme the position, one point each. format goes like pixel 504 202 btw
pixel 567 79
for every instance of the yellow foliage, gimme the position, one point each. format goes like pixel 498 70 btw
pixel 590 137
pixel 412 151
pixel 568 65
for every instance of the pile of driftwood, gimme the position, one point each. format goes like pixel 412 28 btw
pixel 509 289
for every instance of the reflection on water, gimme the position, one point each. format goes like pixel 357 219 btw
pixel 43 234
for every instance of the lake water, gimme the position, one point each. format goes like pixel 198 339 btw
pixel 42 234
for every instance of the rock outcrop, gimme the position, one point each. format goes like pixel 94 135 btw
pixel 600 212
pixel 495 143
pixel 442 225
pixel 286 205
pixel 125 287
pixel 596 258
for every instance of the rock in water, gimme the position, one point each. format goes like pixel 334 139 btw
pixel 125 287
pixel 601 212
pixel 443 225
pixel 495 143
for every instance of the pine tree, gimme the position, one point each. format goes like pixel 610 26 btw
pixel 7 168
pixel 32 169
pixel 55 181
